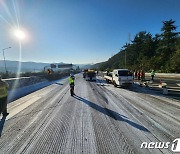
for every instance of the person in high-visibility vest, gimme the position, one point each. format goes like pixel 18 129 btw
pixel 71 84
pixel 152 75
pixel 3 97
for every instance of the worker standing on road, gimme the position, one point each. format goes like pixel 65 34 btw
pixel 152 75
pixel 3 97
pixel 135 74
pixel 142 74
pixel 71 84
pixel 138 74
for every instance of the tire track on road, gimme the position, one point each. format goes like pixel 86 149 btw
pixel 22 134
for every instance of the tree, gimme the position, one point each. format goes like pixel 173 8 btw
pixel 161 52
pixel 175 60
pixel 169 37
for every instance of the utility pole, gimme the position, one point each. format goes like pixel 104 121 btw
pixel 125 58
pixel 5 59
pixel 129 38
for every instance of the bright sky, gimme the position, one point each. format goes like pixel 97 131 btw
pixel 78 31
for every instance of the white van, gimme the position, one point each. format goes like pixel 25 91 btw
pixel 122 77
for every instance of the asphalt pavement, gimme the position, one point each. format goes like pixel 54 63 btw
pixel 99 119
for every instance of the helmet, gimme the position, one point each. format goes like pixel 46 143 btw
pixel 71 75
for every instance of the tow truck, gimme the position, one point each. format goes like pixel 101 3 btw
pixel 119 77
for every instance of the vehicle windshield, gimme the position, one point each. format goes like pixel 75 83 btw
pixel 124 73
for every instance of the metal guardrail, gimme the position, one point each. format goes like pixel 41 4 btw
pixel 168 75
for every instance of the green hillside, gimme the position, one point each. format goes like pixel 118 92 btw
pixel 160 52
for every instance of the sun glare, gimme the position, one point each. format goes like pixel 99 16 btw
pixel 19 34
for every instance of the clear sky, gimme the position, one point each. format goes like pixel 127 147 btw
pixel 79 31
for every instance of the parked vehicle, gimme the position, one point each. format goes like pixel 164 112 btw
pixel 84 73
pixel 120 77
pixel 90 75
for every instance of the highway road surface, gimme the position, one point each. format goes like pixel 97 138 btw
pixel 99 119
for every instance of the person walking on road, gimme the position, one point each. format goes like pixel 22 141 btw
pixel 152 75
pixel 3 97
pixel 71 84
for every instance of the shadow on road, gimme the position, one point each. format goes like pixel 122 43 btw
pixel 100 81
pixel 112 114
pixel 2 124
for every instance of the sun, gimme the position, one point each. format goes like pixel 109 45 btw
pixel 20 34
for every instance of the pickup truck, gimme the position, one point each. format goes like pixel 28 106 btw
pixel 120 77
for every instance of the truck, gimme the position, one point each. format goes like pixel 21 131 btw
pixel 84 73
pixel 90 75
pixel 119 77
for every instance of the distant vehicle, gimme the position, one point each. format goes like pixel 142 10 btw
pixel 120 77
pixel 90 75
pixel 84 73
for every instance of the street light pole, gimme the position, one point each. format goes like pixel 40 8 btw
pixel 5 60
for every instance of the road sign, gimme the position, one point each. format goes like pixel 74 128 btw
pixel 64 65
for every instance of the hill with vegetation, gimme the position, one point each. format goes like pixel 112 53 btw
pixel 160 52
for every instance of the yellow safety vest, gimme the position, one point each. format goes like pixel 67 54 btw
pixel 3 89
pixel 71 80
pixel 152 73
